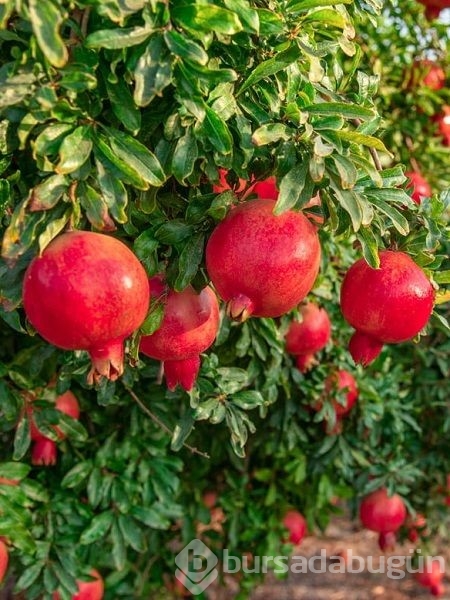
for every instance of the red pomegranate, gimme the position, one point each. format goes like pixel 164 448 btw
pixel 431 574
pixel 66 403
pixel 260 263
pixel 312 333
pixel 387 541
pixel 296 525
pixel 88 590
pixel 419 186
pixel 305 362
pixel 386 305
pixel 382 513
pixel 224 186
pixel 189 327
pixel 44 452
pixel 87 291
pixel 433 7
pixel 342 380
pixel 266 189
pixel 443 123
pixel 428 73
pixel 4 559
pixel 416 527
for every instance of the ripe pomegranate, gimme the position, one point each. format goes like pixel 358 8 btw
pixel 342 380
pixel 387 541
pixel 429 74
pixel 431 575
pixel 296 525
pixel 266 189
pixel 4 559
pixel 382 513
pixel 419 186
pixel 189 327
pixel 312 333
pixel 262 264
pixel 386 305
pixel 44 452
pixel 66 403
pixel 88 590
pixel 87 291
pixel 224 186
pixel 433 7
pixel 443 123
pixel 305 362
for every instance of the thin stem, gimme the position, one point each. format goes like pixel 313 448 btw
pixel 372 151
pixel 160 423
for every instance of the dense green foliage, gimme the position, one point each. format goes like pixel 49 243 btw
pixel 116 117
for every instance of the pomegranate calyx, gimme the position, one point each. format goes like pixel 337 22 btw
pixel 182 372
pixel 239 308
pixel 107 361
pixel 364 348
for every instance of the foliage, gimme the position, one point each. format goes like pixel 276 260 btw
pixel 117 116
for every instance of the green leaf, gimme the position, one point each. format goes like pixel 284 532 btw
pixel 292 186
pixel 114 193
pixel 119 550
pixel 150 517
pixel 14 470
pixel 154 318
pixel 350 202
pixel 72 428
pixel 95 207
pixel 248 399
pixel 363 140
pixel 97 529
pixel 53 228
pixel 137 156
pixel 347 171
pixel 116 165
pixel 347 111
pixel 248 16
pixel 185 48
pixel 173 232
pixel 207 18
pixel 153 72
pixel 327 17
pixel 184 156
pixel 115 39
pixel 75 150
pixel 47 194
pixel 369 247
pixel 269 67
pixel 21 439
pixel 270 133
pixel 123 105
pixel 295 6
pixel 30 575
pixel 77 474
pixel 131 533
pixel 217 132
pixel 182 431
pixel 46 20
pixel 398 220
pixel 189 261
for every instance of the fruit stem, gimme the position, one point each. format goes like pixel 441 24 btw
pixel 107 361
pixel 240 308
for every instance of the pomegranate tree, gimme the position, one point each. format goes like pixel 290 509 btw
pixel 188 328
pixel 419 186
pixel 295 523
pixel 382 513
pixel 87 291
pixel 388 305
pixel 262 264
pixel 309 335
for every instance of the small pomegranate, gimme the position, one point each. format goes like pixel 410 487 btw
pixel 443 124
pixel 419 186
pixel 87 291
pixel 262 264
pixel 88 590
pixel 416 527
pixel 224 186
pixel 431 575
pixel 66 403
pixel 312 333
pixel 433 7
pixel 387 541
pixel 305 362
pixel 296 525
pixel 342 380
pixel 209 498
pixel 189 327
pixel 382 513
pixel 44 452
pixel 386 305
pixel 428 73
pixel 4 559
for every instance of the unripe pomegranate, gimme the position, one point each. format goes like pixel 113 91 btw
pixel 419 186
pixel 296 525
pixel 189 327
pixel 387 541
pixel 312 333
pixel 431 574
pixel 87 291
pixel 262 264
pixel 88 590
pixel 44 452
pixel 386 305
pixel 4 559
pixel 382 513
pixel 443 123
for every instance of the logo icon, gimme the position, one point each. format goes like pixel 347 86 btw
pixel 196 567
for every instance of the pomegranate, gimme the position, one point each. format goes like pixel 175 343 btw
pixel 66 403
pixel 87 291
pixel 44 452
pixel 224 186
pixel 189 327
pixel 386 305
pixel 312 333
pixel 209 498
pixel 433 7
pixel 387 541
pixel 296 525
pixel 416 527
pixel 305 362
pixel 262 264
pixel 419 186
pixel 431 574
pixel 4 559
pixel 382 513
pixel 443 123
pixel 342 380
pixel 428 73
pixel 88 590
pixel 266 189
